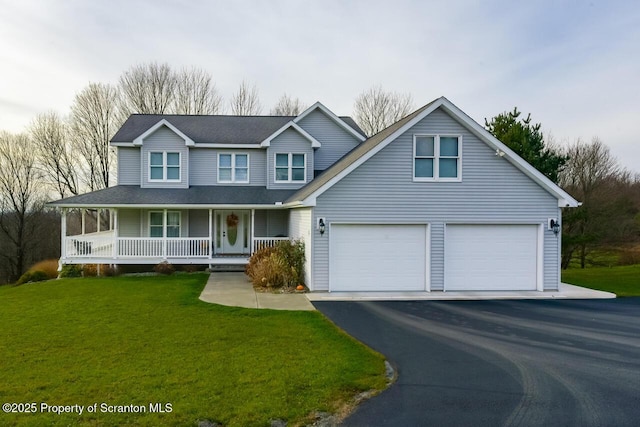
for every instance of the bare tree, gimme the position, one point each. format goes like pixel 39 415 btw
pixel 287 106
pixel 376 109
pixel 148 88
pixel 95 118
pixel 21 199
pixel 55 153
pixel 245 102
pixel 593 176
pixel 196 93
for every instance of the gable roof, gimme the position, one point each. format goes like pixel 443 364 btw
pixel 360 154
pixel 211 129
pixel 340 121
pixel 291 125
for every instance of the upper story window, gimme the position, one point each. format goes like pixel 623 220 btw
pixel 290 167
pixel 164 166
pixel 233 167
pixel 437 158
pixel 157 226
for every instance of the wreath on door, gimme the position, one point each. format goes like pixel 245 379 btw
pixel 232 228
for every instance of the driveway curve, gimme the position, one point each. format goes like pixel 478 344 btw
pixel 492 363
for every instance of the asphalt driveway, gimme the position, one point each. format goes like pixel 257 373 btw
pixel 491 363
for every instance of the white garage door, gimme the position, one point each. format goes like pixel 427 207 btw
pixel 377 257
pixel 491 257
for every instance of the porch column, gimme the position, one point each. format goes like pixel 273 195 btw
pixel 82 221
pixel 63 234
pixel 253 217
pixel 210 233
pixel 98 218
pixel 164 234
pixel 114 227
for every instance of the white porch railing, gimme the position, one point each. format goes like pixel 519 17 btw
pixel 266 242
pixel 90 245
pixel 101 245
pixel 154 247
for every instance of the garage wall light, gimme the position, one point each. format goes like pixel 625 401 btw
pixel 321 226
pixel 554 225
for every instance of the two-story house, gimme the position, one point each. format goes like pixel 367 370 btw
pixel 432 203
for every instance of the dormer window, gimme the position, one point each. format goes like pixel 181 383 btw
pixel 290 167
pixel 164 166
pixel 233 167
pixel 437 158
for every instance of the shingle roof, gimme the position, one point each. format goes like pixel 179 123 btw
pixel 212 129
pixel 125 195
pixel 353 155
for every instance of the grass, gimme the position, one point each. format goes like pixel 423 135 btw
pixel 624 281
pixel 142 340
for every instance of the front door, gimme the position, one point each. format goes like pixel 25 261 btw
pixel 232 232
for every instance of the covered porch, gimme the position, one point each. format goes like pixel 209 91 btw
pixel 148 235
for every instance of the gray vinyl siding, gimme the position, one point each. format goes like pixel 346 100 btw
pixel 198 222
pixel 128 222
pixel 300 228
pixel 381 190
pixel 271 223
pixel 128 166
pixel 289 141
pixel 335 141
pixel 164 139
pixel 203 169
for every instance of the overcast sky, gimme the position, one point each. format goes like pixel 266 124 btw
pixel 574 65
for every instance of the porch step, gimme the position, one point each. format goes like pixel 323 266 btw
pixel 227 267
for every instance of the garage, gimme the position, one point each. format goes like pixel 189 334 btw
pixel 378 257
pixel 491 257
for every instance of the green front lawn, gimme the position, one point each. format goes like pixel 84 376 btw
pixel 141 340
pixel 624 281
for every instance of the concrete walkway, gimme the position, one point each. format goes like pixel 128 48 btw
pixel 566 291
pixel 234 289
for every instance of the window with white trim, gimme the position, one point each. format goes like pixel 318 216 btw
pixel 233 167
pixel 164 166
pixel 437 157
pixel 157 225
pixel 290 167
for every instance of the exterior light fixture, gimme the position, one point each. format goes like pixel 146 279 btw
pixel 554 225
pixel 321 226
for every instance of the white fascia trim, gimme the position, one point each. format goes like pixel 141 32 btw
pixel 122 144
pixel 188 141
pixel 332 116
pixel 314 142
pixel 515 159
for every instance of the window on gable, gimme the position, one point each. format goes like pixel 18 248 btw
pixel 157 225
pixel 164 166
pixel 290 167
pixel 436 158
pixel 233 167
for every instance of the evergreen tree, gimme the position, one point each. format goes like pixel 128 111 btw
pixel 527 141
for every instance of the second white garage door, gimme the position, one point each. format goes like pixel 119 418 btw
pixel 491 257
pixel 378 257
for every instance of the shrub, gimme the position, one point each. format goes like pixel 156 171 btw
pixel 277 267
pixel 256 258
pixel 109 270
pixel 190 268
pixel 47 266
pixel 32 276
pixel 164 268
pixel 71 270
pixel 89 270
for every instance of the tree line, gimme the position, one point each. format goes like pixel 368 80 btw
pixel 60 156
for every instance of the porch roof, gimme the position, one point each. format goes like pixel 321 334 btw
pixel 198 196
